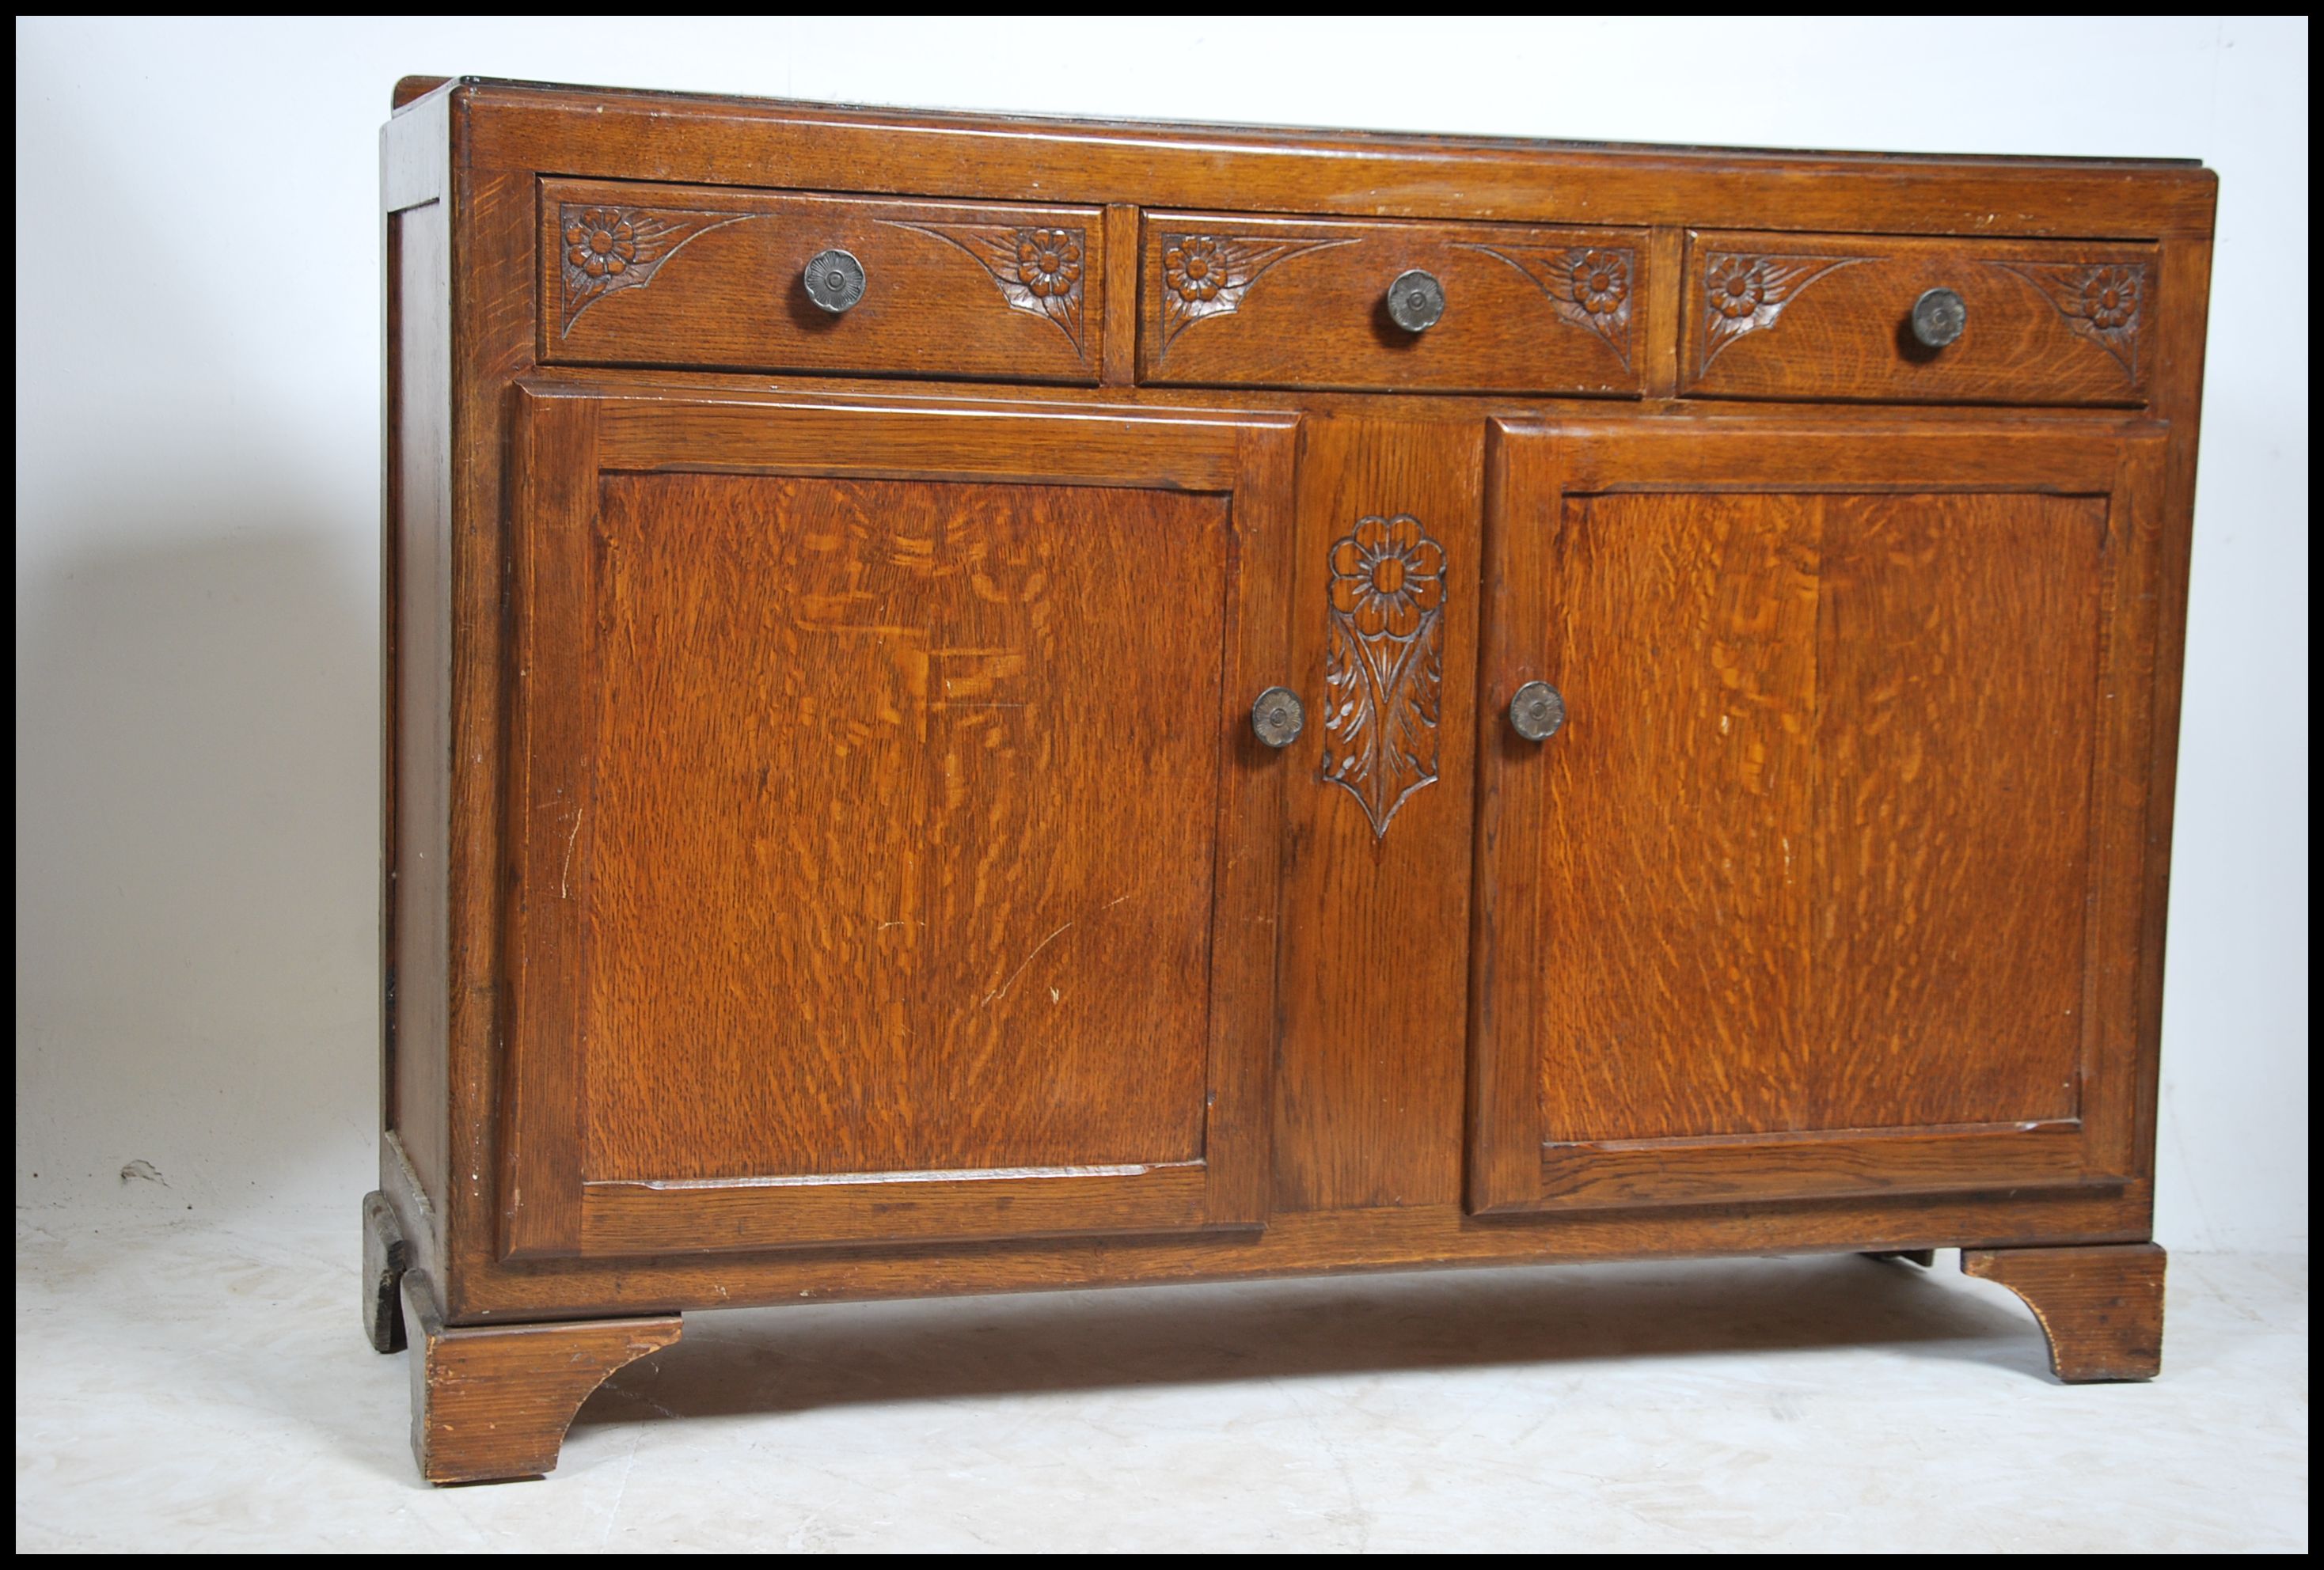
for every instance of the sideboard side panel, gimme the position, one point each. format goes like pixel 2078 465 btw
pixel 415 641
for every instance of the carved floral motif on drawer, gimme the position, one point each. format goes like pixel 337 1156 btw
pixel 1748 294
pixel 1588 287
pixel 1037 271
pixel 2101 302
pixel 1207 275
pixel 608 249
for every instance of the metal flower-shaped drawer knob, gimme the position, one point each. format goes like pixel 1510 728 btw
pixel 1537 711
pixel 1278 717
pixel 1416 300
pixel 834 281
pixel 1939 317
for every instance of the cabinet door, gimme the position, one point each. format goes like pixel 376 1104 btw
pixel 1830 882
pixel 892 857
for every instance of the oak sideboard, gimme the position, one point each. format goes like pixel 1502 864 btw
pixel 976 704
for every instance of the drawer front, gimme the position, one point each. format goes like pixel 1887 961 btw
pixel 1235 301
pixel 702 276
pixel 1816 317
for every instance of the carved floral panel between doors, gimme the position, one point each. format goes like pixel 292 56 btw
pixel 1386 676
pixel 835 846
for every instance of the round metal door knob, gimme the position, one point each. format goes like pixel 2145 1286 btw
pixel 834 281
pixel 1537 712
pixel 1939 317
pixel 1415 301
pixel 1278 717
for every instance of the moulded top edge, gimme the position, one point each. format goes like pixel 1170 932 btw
pixel 1318 137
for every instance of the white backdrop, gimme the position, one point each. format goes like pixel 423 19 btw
pixel 197 496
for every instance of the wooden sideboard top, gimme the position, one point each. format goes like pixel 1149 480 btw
pixel 628 133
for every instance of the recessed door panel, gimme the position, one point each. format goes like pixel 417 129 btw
pixel 894 825
pixel 907 796
pixel 1811 892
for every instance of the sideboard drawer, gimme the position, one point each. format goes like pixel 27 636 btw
pixel 705 276
pixel 1833 316
pixel 1238 301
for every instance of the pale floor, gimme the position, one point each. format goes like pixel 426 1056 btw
pixel 204 1386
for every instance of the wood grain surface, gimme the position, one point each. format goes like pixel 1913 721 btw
pixel 1119 340
pixel 621 1218
pixel 1959 713
pixel 1811 1164
pixel 1235 300
pixel 2165 493
pixel 1298 1244
pixel 495 1402
pixel 493 333
pixel 713 277
pixel 1820 316
pixel 1374 963
pixel 1819 836
pixel 2100 1308
pixel 1815 849
pixel 618 135
pixel 906 798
